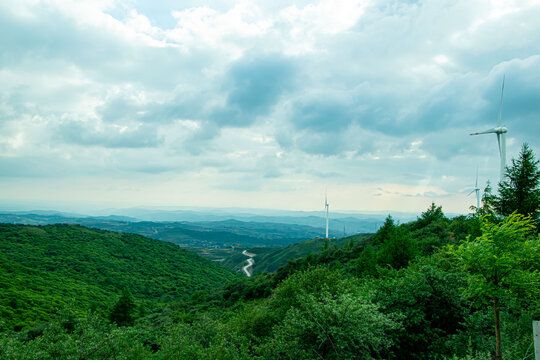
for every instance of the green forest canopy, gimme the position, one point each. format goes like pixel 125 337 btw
pixel 42 268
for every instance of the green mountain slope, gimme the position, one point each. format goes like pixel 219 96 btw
pixel 270 261
pixel 400 293
pixel 44 267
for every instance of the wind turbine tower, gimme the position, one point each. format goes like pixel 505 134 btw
pixel 326 206
pixel 501 137
pixel 477 190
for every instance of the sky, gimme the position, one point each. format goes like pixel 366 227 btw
pixel 262 104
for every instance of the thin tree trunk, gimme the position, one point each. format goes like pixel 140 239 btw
pixel 498 349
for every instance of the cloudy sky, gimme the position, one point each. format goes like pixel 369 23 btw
pixel 262 104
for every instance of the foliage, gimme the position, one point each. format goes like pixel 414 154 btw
pixel 325 315
pixel 69 336
pixel 502 265
pixel 384 231
pixel 520 190
pixel 398 248
pixel 426 295
pixel 502 262
pixel 332 326
pixel 393 295
pixel 432 214
pixel 123 312
pixel 488 201
pixel 43 267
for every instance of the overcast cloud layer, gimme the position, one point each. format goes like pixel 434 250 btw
pixel 263 104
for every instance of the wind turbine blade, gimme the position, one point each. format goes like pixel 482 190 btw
pixel 503 155
pixel 499 142
pixel 469 194
pixel 500 106
pixel 476 184
pixel 490 131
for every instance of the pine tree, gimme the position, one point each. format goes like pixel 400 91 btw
pixel 433 213
pixel 488 201
pixel 384 231
pixel 123 312
pixel 520 191
pixel 398 248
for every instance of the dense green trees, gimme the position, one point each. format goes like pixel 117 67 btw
pixel 124 311
pixel 425 297
pixel 520 190
pixel 328 317
pixel 400 294
pixel 43 267
pixel 501 264
pixel 398 249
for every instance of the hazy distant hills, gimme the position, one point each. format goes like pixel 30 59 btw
pixel 256 223
pixel 203 234
pixel 44 268
pixel 261 230
pixel 340 223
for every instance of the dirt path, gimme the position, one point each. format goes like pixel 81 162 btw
pixel 247 269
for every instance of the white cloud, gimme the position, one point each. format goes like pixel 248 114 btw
pixel 330 17
pixel 275 98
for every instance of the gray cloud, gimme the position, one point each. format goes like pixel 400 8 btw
pixel 254 85
pixel 323 113
pixel 110 136
pixel 268 92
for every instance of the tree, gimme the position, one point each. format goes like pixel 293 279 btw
pixel 488 201
pixel 384 231
pixel 123 312
pixel 398 248
pixel 425 297
pixel 520 191
pixel 501 264
pixel 433 213
pixel 333 326
pixel 322 315
pixel 366 262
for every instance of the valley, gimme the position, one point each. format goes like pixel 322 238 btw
pixel 222 241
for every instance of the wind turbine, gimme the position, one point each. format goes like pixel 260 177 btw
pixel 326 206
pixel 501 136
pixel 477 190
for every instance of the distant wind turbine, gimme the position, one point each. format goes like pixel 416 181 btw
pixel 501 136
pixel 477 190
pixel 326 206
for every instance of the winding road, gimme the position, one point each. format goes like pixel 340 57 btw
pixel 250 263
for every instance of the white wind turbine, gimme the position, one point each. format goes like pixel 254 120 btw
pixel 501 137
pixel 477 190
pixel 326 206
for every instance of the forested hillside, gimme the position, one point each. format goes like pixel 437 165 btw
pixel 459 288
pixel 43 268
pixel 401 294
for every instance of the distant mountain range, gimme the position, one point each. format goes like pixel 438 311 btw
pixel 341 224
pixel 217 234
